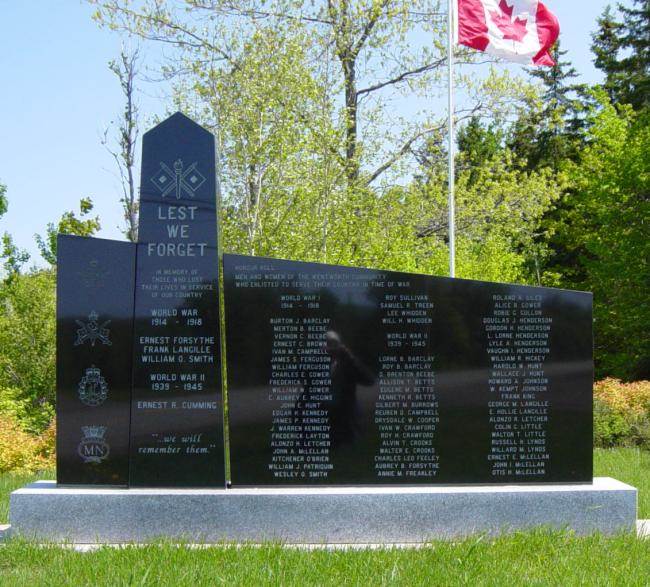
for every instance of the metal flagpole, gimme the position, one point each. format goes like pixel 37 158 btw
pixel 452 172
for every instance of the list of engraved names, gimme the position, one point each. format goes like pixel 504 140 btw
pixel 517 333
pixel 406 412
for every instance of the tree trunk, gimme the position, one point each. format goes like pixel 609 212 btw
pixel 351 122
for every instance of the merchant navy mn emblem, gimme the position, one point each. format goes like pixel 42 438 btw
pixel 93 389
pixel 93 448
pixel 178 181
pixel 93 331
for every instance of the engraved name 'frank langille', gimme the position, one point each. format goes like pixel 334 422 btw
pixel 177 349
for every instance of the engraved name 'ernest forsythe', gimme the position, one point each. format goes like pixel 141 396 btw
pixel 179 182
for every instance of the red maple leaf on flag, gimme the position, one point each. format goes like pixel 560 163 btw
pixel 514 30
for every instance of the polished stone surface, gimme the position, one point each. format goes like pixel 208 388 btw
pixel 350 376
pixel 177 411
pixel 95 284
pixel 316 515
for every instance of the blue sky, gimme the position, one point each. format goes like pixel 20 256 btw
pixel 57 96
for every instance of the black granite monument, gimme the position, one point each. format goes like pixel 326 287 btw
pixel 350 376
pixel 139 398
pixel 95 283
pixel 336 375
pixel 176 410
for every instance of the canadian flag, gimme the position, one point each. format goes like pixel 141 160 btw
pixel 517 30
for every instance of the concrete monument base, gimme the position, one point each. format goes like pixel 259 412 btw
pixel 334 515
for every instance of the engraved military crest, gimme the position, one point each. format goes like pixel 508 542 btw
pixel 93 389
pixel 93 275
pixel 93 448
pixel 93 331
pixel 178 181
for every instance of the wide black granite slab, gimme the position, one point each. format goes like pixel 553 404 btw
pixel 177 413
pixel 95 284
pixel 355 376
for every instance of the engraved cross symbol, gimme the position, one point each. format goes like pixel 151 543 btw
pixel 93 331
pixel 178 180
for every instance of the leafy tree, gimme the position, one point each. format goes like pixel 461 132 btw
pixel 27 324
pixel 27 343
pixel 276 144
pixel 299 94
pixel 346 41
pixel 606 226
pixel 68 224
pixel 499 206
pixel 622 52
pixel 3 199
pixel 13 258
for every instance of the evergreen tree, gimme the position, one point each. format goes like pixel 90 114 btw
pixel 637 63
pixel 606 43
pixel 622 52
pixel 547 135
pixel 477 144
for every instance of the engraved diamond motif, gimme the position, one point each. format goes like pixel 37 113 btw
pixel 184 181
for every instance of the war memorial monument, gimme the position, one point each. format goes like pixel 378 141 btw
pixel 305 402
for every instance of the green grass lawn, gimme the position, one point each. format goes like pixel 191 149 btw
pixel 540 557
pixel 10 482
pixel 530 558
pixel 631 466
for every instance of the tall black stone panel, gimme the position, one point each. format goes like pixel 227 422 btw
pixel 348 376
pixel 177 414
pixel 95 284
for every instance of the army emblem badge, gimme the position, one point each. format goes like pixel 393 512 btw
pixel 93 389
